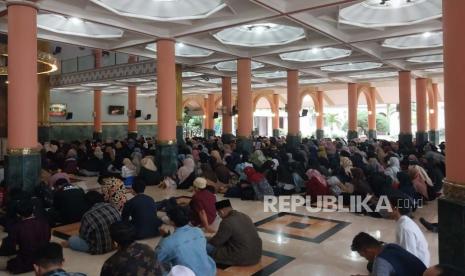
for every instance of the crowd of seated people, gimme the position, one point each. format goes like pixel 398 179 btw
pixel 207 166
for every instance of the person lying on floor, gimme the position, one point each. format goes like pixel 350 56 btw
pixel 94 234
pixel 237 242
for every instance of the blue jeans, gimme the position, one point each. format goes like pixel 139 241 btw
pixel 78 244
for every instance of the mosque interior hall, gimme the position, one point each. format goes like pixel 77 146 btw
pixel 232 137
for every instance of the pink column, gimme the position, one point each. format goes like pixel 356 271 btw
pixel 132 106
pixel 244 98
pixel 320 110
pixel 422 135
pixel 97 99
pixel 226 99
pixel 22 76
pixel 451 210
pixel 293 105
pixel 372 109
pixel 405 107
pixel 212 109
pixel 166 89
pixel 353 104
pixel 433 106
pixel 206 110
pixel 276 111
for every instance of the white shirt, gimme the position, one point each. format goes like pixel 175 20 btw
pixel 410 237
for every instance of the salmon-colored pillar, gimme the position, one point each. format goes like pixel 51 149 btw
pixel 97 135
pixel 405 108
pixel 205 114
pixel 244 104
pixel 22 166
pixel 433 114
pixel 275 119
pixel 352 106
pixel 421 135
pixel 372 113
pixel 211 121
pixel 451 207
pixel 320 115
pixel 166 109
pixel 226 100
pixel 132 105
pixel 293 108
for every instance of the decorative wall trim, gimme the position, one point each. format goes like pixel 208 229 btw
pixel 103 123
pixel 110 73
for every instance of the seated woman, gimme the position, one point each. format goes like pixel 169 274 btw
pixel 186 174
pixel 69 202
pixel 259 183
pixel 128 172
pixel 420 179
pixel 316 185
pixel 113 191
pixel 71 165
pixel 149 172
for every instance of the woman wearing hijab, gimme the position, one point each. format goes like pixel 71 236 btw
pixel 186 174
pixel 259 183
pixel 217 156
pixel 113 191
pixel 128 172
pixel 71 165
pixel 316 185
pixel 257 158
pixel 345 170
pixel 420 179
pixel 136 158
pixel 361 186
pixel 148 172
pixel 393 168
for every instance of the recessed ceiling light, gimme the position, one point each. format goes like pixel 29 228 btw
pixel 375 75
pixel 231 65
pixel 96 84
pixel 376 13
pixel 313 81
pixel 76 26
pixel 163 10
pixel 260 35
pixel 191 74
pixel 183 50
pixel 316 54
pixel 416 41
pixel 427 59
pixel 272 75
pixel 352 66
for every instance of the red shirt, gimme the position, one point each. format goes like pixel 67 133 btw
pixel 203 200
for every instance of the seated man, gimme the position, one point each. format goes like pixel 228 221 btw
pixel 94 234
pixel 141 211
pixel 50 261
pixel 408 234
pixel 237 241
pixel 388 259
pixel 131 258
pixel 203 206
pixel 28 235
pixel 69 202
pixel 186 246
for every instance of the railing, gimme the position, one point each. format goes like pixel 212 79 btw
pixel 88 62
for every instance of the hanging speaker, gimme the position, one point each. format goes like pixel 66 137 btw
pixel 234 110
pixel 304 112
pixel 69 115
pixel 148 116
pixel 215 115
pixel 138 113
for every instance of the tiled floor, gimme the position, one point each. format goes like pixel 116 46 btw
pixel 316 244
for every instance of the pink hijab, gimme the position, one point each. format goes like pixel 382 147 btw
pixel 314 173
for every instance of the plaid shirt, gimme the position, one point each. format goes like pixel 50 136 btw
pixel 95 227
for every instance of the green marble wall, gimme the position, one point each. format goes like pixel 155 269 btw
pixel 82 132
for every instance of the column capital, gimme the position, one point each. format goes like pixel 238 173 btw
pixel 165 39
pixel 31 4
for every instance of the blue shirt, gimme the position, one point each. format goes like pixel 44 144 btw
pixel 187 247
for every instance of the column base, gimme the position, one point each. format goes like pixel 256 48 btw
pixel 276 133
pixel 22 171
pixel 208 133
pixel 227 138
pixel 292 142
pixel 244 144
pixel 320 134
pixel 405 139
pixel 167 158
pixel 43 133
pixel 372 134
pixel 434 136
pixel 132 135
pixel 451 228
pixel 352 134
pixel 180 135
pixel 421 137
pixel 97 136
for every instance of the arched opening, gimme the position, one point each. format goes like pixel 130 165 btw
pixel 308 113
pixel 193 118
pixel 263 114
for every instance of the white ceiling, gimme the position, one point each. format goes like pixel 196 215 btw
pixel 319 19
